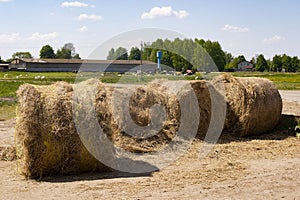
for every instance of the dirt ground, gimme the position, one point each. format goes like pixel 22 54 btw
pixel 261 167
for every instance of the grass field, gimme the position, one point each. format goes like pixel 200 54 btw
pixel 10 82
pixel 283 81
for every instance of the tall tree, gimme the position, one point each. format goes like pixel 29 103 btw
pixel 135 54
pixel 71 47
pixel 218 55
pixel 22 55
pixel 286 62
pixel 47 52
pixel 121 54
pixel 228 57
pixel 295 64
pixel 111 54
pixel 67 52
pixel 261 64
pixel 63 53
pixel 153 55
pixel 276 63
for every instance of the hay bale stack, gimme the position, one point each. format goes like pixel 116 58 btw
pixel 46 138
pixel 48 143
pixel 254 105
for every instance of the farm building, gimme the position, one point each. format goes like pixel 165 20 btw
pixel 245 66
pixel 4 66
pixel 75 65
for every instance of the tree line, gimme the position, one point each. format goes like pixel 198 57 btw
pixel 65 52
pixel 198 54
pixel 277 64
pixel 180 54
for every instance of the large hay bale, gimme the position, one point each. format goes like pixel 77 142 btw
pixel 254 105
pixel 46 138
pixel 140 101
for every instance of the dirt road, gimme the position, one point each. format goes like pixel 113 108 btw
pixel 290 95
pixel 291 102
pixel 267 167
pixel 261 167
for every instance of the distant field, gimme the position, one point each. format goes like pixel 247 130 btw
pixel 283 81
pixel 10 82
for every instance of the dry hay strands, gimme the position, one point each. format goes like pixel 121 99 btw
pixel 138 119
pixel 46 139
pixel 254 105
pixel 7 153
pixel 202 91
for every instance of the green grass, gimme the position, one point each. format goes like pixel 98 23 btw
pixel 283 81
pixel 7 111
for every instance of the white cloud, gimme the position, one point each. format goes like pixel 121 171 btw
pixel 2 1
pixel 89 17
pixel 274 39
pixel 180 14
pixel 234 29
pixel 165 11
pixel 83 29
pixel 43 37
pixel 67 4
pixel 9 38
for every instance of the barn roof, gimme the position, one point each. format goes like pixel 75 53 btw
pixel 80 61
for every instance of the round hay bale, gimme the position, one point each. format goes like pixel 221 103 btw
pixel 254 105
pixel 125 116
pixel 46 139
pixel 203 96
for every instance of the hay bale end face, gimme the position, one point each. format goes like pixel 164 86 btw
pixel 46 138
pixel 254 105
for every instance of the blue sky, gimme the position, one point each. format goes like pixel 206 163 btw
pixel 242 27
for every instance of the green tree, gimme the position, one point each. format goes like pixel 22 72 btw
pixel 146 52
pixel 67 52
pixel 135 54
pixel 111 54
pixel 76 56
pixel 167 58
pixel 276 63
pixel 261 64
pixel 201 42
pixel 153 57
pixel 234 63
pixel 64 53
pixel 121 54
pixel 71 47
pixel 228 57
pixel 295 64
pixel 22 55
pixel 218 55
pixel 286 62
pixel 47 52
pixel 201 59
